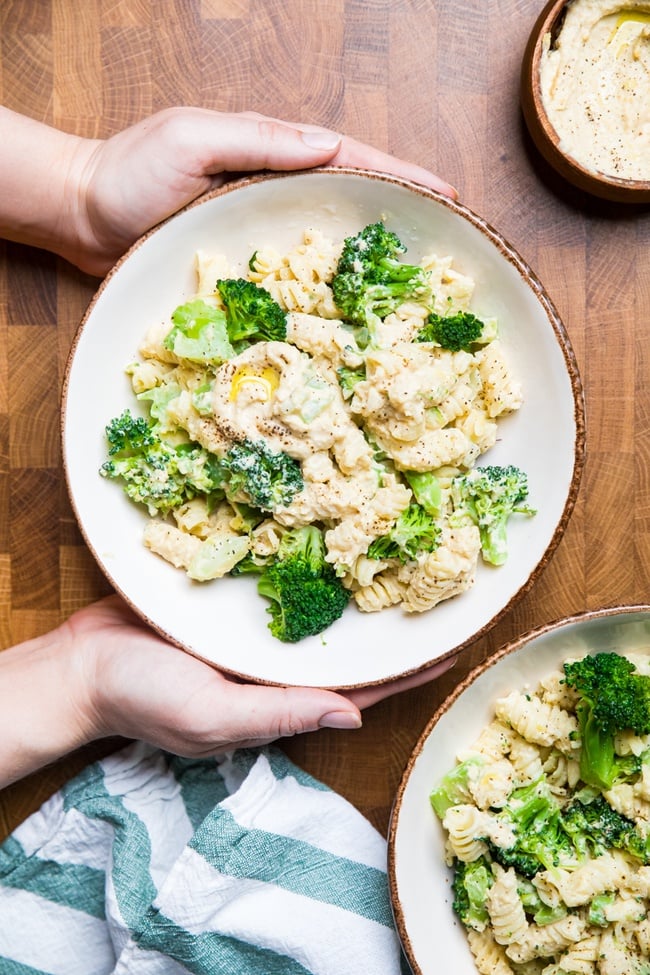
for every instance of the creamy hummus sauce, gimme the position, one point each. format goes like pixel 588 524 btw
pixel 595 83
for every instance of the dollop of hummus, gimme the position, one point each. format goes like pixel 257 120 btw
pixel 595 85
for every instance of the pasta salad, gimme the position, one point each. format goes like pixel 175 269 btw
pixel 547 824
pixel 317 418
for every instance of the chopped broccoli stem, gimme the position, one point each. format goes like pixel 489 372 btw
pixel 199 333
pixel 598 906
pixel 426 489
pixel 453 789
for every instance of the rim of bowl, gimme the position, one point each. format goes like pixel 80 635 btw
pixel 522 268
pixel 543 132
pixel 512 646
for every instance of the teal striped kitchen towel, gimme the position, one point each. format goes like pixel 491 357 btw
pixel 157 865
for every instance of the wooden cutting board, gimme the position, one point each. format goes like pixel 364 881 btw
pixel 433 82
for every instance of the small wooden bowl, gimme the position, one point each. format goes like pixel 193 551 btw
pixel 543 133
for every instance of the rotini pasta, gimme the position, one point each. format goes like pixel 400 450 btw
pixel 362 398
pixel 565 888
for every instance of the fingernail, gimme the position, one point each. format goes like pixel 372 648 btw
pixel 321 139
pixel 340 719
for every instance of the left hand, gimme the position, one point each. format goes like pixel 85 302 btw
pixel 147 172
pixel 136 685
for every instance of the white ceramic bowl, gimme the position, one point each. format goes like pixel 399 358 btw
pixel 225 622
pixel 419 879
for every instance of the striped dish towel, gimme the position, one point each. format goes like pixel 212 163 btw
pixel 157 865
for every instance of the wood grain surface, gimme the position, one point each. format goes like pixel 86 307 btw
pixel 433 81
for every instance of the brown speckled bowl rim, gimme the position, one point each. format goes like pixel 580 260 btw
pixel 525 272
pixel 504 651
pixel 543 132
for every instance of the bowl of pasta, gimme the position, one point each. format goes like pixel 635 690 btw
pixel 337 431
pixel 519 838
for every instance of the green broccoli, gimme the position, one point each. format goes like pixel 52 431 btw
pixel 426 490
pixel 306 594
pixel 267 479
pixel 348 379
pixel 453 788
pixel 202 399
pixel 199 333
pixel 370 280
pixel 252 314
pixel 251 564
pixel 470 886
pixel 597 908
pixel 488 496
pixel 414 531
pixel 541 843
pixel 594 828
pixel 454 332
pixel 613 697
pixel 157 474
pixel 534 906
pixel 158 399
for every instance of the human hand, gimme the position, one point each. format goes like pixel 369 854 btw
pixel 137 686
pixel 147 172
pixel 104 672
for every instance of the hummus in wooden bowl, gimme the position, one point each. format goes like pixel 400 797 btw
pixel 586 94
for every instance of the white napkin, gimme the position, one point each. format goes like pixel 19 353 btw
pixel 153 864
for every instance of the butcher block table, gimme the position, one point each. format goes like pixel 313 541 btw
pixel 433 81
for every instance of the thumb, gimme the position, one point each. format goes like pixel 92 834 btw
pixel 259 714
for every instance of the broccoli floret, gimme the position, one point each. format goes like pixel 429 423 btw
pixel 426 490
pixel 541 843
pixel 203 471
pixel 619 697
pixel 370 280
pixel 252 314
pixel 199 333
pixel 594 828
pixel 454 332
pixel 306 594
pixel 129 436
pixel 453 788
pixel 348 379
pixel 488 496
pixel 157 474
pixel 470 886
pixel 268 480
pixel 525 864
pixel 613 697
pixel 414 531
